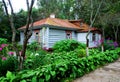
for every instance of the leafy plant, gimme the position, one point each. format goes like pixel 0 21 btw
pixel 33 46
pixel 67 45
pixel 68 65
pixel 10 64
pixel 3 41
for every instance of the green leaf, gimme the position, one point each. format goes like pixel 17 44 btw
pixel 61 69
pixel 23 81
pixel 9 75
pixel 41 80
pixel 53 73
pixel 34 79
pixel 47 77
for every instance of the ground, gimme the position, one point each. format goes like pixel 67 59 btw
pixel 108 73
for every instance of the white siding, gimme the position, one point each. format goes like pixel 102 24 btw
pixel 81 37
pixel 56 35
pixel 47 38
pixel 32 38
pixel 43 37
pixel 96 42
pixel 21 37
pixel 74 35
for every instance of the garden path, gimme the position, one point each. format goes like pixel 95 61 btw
pixel 108 73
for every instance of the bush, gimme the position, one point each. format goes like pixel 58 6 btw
pixel 94 51
pixel 3 41
pixel 8 64
pixel 66 66
pixel 35 60
pixel 67 45
pixel 110 45
pixel 34 46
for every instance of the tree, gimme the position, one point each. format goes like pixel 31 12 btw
pixel 27 32
pixel 114 21
pixel 11 20
pixel 93 15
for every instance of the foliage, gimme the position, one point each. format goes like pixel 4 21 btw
pixel 34 46
pixel 8 64
pixel 3 40
pixel 70 67
pixel 110 44
pixel 94 51
pixel 19 47
pixel 35 59
pixel 67 45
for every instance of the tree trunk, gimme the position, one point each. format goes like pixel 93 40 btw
pixel 102 41
pixel 92 20
pixel 11 20
pixel 27 32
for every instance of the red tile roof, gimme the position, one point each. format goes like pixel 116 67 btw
pixel 83 26
pixel 75 24
pixel 54 22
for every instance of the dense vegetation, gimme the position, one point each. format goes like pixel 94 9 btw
pixel 70 67
pixel 42 66
pixel 68 60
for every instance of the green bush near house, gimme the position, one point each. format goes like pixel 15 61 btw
pixel 63 66
pixel 67 45
pixel 34 46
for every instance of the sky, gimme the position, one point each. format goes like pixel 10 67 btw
pixel 20 4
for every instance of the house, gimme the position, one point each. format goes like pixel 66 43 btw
pixel 50 30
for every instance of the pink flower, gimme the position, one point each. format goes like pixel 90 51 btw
pixel 4 58
pixel 10 53
pixel 20 53
pixel 3 45
pixel 101 40
pixel 0 49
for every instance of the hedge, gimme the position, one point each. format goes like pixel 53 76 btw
pixel 63 69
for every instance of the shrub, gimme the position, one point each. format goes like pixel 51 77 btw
pixel 70 67
pixel 110 44
pixel 35 60
pixel 8 64
pixel 65 66
pixel 34 46
pixel 94 51
pixel 3 41
pixel 67 45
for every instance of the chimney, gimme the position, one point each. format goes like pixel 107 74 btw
pixel 52 16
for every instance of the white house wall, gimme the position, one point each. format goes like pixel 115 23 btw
pixel 56 35
pixel 21 37
pixel 81 37
pixel 32 38
pixel 74 35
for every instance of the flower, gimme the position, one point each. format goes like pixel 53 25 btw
pixel 0 49
pixel 3 45
pixel 115 44
pixel 20 53
pixel 101 40
pixel 10 53
pixel 4 58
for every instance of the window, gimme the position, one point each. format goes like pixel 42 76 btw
pixel 37 37
pixel 36 33
pixel 93 37
pixel 68 34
